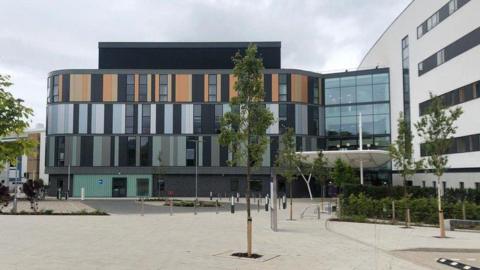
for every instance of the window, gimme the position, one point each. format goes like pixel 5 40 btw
pixel 332 111
pixel 142 187
pixel 477 186
pixel 316 92
pixel 332 96
pixel 348 110
pixel 364 80
pixel 364 93
pixel 56 96
pixel 423 184
pixel 218 118
pixel 142 88
pixel 380 92
pixel 234 185
pixel 333 126
pixel 348 95
pixel 381 124
pixel 282 117
pixel 462 185
pixel 452 6
pixel 315 122
pixel 60 147
pixel 146 118
pixel 131 151
pixel 420 66
pixel 190 151
pixel 381 108
pixel 129 119
pixel 349 125
pixel 282 87
pixel 212 87
pixel 144 152
pixel 130 87
pixel 197 118
pixel 347 81
pixel 332 83
pixel 163 94
pixel 440 57
pixel 420 31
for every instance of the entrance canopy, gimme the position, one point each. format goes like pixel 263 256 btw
pixel 355 158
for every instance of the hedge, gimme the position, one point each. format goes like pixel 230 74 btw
pixel 422 210
pixel 396 192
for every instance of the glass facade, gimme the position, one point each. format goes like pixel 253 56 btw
pixel 346 98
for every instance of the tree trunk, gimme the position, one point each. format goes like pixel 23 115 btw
pixel 309 189
pixel 440 211
pixel 407 205
pixel 291 201
pixel 249 218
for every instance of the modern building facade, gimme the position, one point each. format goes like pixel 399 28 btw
pixel 31 166
pixel 138 125
pixel 432 46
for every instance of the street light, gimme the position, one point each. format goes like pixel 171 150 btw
pixel 196 141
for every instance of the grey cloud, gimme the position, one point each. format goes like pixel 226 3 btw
pixel 320 35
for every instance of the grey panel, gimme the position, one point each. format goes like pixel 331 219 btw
pixel 118 119
pixel 215 152
pixel 97 151
pixel 137 151
pixel 51 151
pixel 116 151
pixel 181 143
pixel 68 150
pixel 98 116
pixel 301 119
pixel 156 150
pixel 106 145
pixel 165 148
pixel 83 118
pixel 139 119
pixel 168 119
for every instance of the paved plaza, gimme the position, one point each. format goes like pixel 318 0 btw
pixel 203 241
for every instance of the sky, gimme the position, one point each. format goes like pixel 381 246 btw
pixel 39 36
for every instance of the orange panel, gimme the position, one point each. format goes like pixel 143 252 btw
pixel 183 88
pixel 149 87
pixel 85 87
pixel 205 88
pixel 232 91
pixel 219 88
pixel 157 87
pixel 136 87
pixel 305 89
pixel 107 87
pixel 275 87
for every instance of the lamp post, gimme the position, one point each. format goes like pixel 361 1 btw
pixel 196 141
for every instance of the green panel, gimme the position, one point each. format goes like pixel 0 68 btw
pixel 95 188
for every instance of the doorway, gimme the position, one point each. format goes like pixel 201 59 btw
pixel 119 187
pixel 142 187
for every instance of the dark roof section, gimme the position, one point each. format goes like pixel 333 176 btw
pixel 181 55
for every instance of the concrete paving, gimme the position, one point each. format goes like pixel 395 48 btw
pixel 203 241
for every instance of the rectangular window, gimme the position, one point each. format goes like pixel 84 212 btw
pixel 145 118
pixel 131 151
pixel 316 92
pixel 129 119
pixel 142 187
pixel 56 96
pixel 218 118
pixel 212 87
pixel 163 93
pixel 190 151
pixel 60 147
pixel 197 118
pixel 315 122
pixel 142 88
pixel 477 186
pixel 420 31
pixel 282 88
pixel 282 117
pixel 452 6
pixel 440 57
pixel 130 87
pixel 144 152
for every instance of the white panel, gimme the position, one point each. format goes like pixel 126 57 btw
pixel 168 119
pixel 82 118
pixel 97 118
pixel 187 118
pixel 153 119
pixel 60 118
pixel 118 120
pixel 139 119
pixel 274 128
pixel 69 120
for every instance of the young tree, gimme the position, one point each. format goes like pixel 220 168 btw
pixel 13 120
pixel 401 152
pixel 342 173
pixel 33 190
pixel 437 128
pixel 287 161
pixel 244 128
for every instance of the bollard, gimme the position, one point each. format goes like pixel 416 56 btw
pixel 318 212
pixel 232 206
pixel 266 203
pixel 393 212
pixel 82 193
pixel 279 201
pixel 195 206
pixel 464 212
pixel 211 196
pixel 284 200
pixel 171 207
pixel 238 197
pixel 143 207
pixel 216 206
pixel 258 205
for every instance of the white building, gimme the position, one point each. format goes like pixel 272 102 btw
pixel 435 44
pixel 32 165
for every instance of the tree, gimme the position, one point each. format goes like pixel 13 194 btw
pixel 342 173
pixel 401 152
pixel 287 161
pixel 437 128
pixel 13 120
pixel 33 191
pixel 318 169
pixel 243 129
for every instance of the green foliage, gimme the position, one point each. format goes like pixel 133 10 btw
pixel 287 160
pixel 401 151
pixel 320 171
pixel 437 128
pixel 422 210
pixel 13 120
pixel 342 173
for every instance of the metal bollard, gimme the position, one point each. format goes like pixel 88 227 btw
pixel 279 200
pixel 216 206
pixel 238 197
pixel 171 207
pixel 211 195
pixel 258 205
pixel 232 206
pixel 266 203
pixel 318 212
pixel 82 193
pixel 195 206
pixel 143 207
pixel 284 200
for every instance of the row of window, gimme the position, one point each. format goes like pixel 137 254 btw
pixel 346 126
pixel 455 97
pixel 406 79
pixel 445 11
pixel 369 142
pixel 464 144
pixel 453 50
pixel 461 185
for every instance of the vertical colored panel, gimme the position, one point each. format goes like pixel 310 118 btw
pixel 219 88
pixel 76 114
pixel 205 87
pixel 198 87
pixel 97 151
pixel 274 87
pixel 304 89
pixel 107 129
pixel 171 82
pixel 208 118
pixel 157 87
pixel 225 88
pixel 107 87
pixel 206 151
pixel 183 88
pixel 60 88
pixel 274 144
pixel 289 87
pixel 156 150
pixel 96 87
pixel 122 88
pixel 274 128
pixel 66 87
pixel 215 152
pixel 86 154
pixel 118 119
pixel 149 87
pixel 160 118
pixel 232 81
pixel 168 119
pixel 291 115
pixel 98 113
pixel 137 79
pixel 187 118
pixel 83 118
pixel 153 118
pixel 114 87
pixel 86 87
pixel 266 155
pixel 177 118
pixel 139 119
pixel 116 158
pixel 267 87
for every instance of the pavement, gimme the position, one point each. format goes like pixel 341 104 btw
pixel 205 240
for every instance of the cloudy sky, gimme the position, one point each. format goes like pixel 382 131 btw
pixel 37 37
